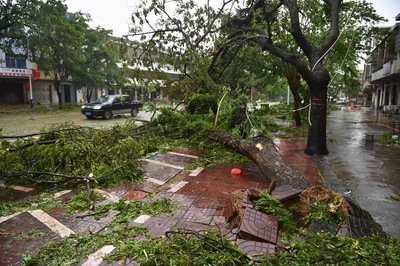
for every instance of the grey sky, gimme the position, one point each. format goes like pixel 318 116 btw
pixel 115 15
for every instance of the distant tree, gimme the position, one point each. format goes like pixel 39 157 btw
pixel 15 17
pixel 99 66
pixel 57 40
pixel 15 14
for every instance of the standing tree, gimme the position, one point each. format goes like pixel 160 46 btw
pixel 56 41
pixel 99 67
pixel 255 23
pixel 14 15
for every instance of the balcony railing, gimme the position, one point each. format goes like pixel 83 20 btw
pixel 389 68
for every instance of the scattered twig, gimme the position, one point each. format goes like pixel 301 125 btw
pixel 79 178
pixel 41 133
pixel 93 213
pixel 89 196
pixel 29 144
pixel 219 106
pixel 205 238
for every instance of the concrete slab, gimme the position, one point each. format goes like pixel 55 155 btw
pixel 198 215
pixel 163 163
pixel 52 223
pixel 15 187
pixel 158 226
pixel 5 218
pixel 175 160
pixel 96 258
pixel 285 193
pixel 177 186
pixel 196 171
pixel 142 219
pixel 183 155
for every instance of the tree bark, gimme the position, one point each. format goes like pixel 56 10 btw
pixel 294 85
pixel 264 154
pixel 316 139
pixel 57 87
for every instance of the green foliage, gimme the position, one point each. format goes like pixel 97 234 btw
pixel 214 154
pixel 394 197
pixel 183 248
pixel 273 207
pixel 202 104
pixel 129 210
pixel 79 202
pixel 329 249
pixel 75 248
pixel 15 16
pixel 44 201
pixel 186 48
pixel 99 68
pixel 389 139
pixel 326 211
pixel 110 154
pixel 238 120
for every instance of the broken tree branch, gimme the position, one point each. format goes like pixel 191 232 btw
pixel 263 153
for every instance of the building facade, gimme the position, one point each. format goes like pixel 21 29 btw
pixel 381 77
pixel 16 75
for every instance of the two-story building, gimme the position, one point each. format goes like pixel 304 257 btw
pixel 15 71
pixel 381 77
pixel 382 72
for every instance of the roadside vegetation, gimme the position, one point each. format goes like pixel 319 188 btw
pixel 390 139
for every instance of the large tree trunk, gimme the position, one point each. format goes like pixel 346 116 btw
pixel 89 92
pixel 316 140
pixel 264 154
pixel 57 87
pixel 294 85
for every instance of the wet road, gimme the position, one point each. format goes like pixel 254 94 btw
pixel 369 172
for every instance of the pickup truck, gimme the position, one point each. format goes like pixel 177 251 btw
pixel 109 105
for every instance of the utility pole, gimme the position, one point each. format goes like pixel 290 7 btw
pixel 30 79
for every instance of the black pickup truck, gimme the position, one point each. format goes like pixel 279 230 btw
pixel 109 105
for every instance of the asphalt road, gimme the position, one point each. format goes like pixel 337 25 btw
pixel 27 122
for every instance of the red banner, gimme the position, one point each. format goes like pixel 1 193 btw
pixel 35 74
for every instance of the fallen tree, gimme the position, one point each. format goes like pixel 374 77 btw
pixel 263 152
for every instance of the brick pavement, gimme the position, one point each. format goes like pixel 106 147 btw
pixel 201 196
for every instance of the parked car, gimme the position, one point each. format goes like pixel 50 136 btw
pixel 109 105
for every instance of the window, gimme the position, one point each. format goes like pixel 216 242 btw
pixel 10 62
pixel 21 63
pixel 15 62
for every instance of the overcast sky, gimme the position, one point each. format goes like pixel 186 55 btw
pixel 115 14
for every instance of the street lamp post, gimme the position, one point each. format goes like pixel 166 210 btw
pixel 30 90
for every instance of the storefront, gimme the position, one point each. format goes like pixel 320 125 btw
pixel 14 85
